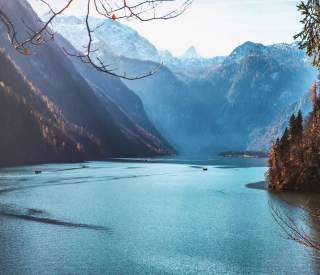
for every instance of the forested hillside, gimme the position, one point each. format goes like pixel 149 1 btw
pixel 33 129
pixel 295 157
pixel 107 109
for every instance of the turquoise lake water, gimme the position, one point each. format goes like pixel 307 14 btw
pixel 144 217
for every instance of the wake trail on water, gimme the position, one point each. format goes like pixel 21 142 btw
pixel 53 221
pixel 41 216
pixel 81 180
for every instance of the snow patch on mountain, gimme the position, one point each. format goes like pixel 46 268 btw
pixel 120 39
pixel 116 40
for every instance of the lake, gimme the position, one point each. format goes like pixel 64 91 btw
pixel 144 217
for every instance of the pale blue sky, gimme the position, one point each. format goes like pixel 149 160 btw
pixel 215 27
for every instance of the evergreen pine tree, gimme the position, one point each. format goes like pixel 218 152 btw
pixel 292 126
pixel 299 124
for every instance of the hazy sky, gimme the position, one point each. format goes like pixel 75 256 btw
pixel 215 27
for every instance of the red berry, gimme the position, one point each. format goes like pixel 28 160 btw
pixel 26 51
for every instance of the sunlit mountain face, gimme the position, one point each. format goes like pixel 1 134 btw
pixel 120 128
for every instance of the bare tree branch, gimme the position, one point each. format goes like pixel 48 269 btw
pixel 141 10
pixel 292 230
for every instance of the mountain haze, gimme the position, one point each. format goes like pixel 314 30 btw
pixel 50 70
pixel 199 103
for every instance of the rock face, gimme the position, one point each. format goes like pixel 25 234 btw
pixel 262 138
pixel 214 104
pixel 255 85
pixel 122 129
pixel 33 130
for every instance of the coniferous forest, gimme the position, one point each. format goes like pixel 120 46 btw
pixel 295 157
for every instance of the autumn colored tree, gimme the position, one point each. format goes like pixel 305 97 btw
pixel 274 162
pixel 313 93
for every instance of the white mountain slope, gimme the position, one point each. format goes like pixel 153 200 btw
pixel 119 40
pixel 123 40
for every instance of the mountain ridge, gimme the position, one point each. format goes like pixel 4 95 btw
pixel 221 98
pixel 33 128
pixel 48 68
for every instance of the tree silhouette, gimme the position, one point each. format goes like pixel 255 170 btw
pixel 141 10
pixel 309 37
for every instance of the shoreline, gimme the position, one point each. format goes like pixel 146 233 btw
pixel 261 185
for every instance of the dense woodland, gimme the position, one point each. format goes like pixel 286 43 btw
pixel 295 157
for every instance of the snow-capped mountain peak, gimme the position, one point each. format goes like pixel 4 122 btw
pixel 191 53
pixel 123 40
